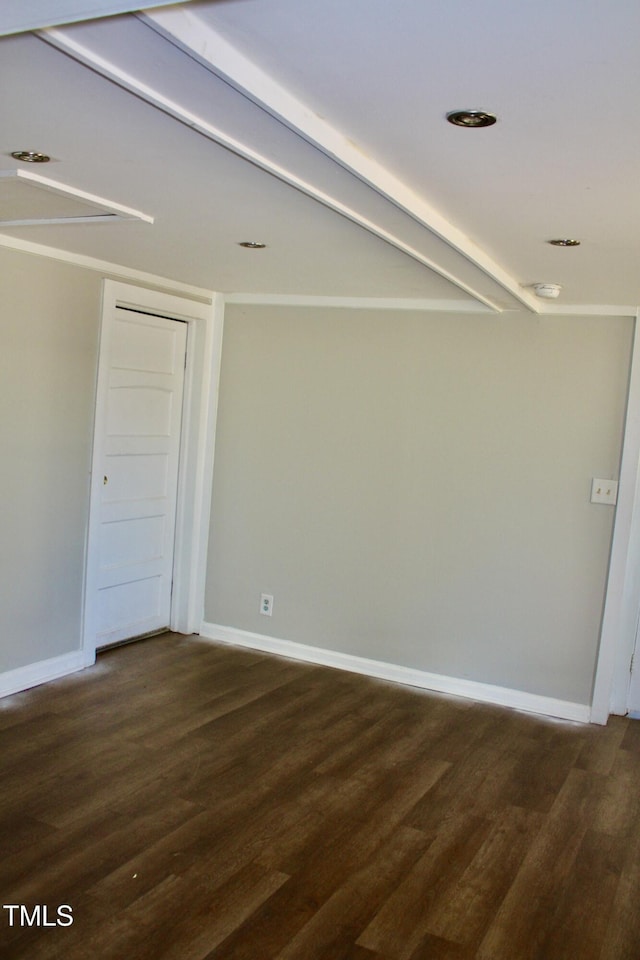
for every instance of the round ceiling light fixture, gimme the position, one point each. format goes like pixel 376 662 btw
pixel 564 242
pixel 471 118
pixel 30 156
pixel 252 245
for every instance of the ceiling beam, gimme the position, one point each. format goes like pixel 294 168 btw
pixel 128 81
pixel 21 16
pixel 206 45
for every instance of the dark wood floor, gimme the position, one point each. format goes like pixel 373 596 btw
pixel 193 801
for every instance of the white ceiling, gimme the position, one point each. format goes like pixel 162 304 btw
pixel 320 129
pixel 17 16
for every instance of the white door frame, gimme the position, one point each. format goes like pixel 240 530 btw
pixel 204 347
pixel 622 600
pixel 633 696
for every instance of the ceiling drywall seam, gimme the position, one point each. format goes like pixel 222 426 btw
pixel 176 110
pixel 209 48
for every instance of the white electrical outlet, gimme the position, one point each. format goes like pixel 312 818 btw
pixel 604 491
pixel 266 604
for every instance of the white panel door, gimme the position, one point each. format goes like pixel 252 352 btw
pixel 140 458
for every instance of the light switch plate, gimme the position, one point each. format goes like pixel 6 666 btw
pixel 604 491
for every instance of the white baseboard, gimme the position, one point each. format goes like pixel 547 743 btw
pixel 15 681
pixel 484 692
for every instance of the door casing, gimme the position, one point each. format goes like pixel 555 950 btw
pixel 204 346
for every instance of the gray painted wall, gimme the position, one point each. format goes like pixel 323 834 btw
pixel 411 487
pixel 414 488
pixel 48 347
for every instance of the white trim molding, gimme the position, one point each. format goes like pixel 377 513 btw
pixel 424 304
pixel 589 310
pixel 33 674
pixel 101 209
pixel 622 600
pixel 438 683
pixel 356 303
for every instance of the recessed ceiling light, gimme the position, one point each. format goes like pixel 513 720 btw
pixel 30 156
pixel 564 242
pixel 471 118
pixel 252 245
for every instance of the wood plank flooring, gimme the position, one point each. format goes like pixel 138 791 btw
pixel 191 801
